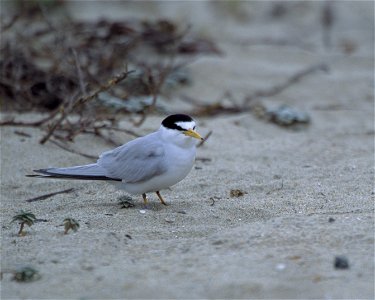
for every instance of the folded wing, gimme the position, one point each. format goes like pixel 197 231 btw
pixel 137 161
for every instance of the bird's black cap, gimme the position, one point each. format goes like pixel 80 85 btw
pixel 170 121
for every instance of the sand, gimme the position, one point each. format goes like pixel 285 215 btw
pixel 308 194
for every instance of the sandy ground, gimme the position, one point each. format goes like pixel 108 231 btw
pixel 276 240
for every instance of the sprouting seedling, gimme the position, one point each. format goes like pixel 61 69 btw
pixel 22 274
pixel 26 274
pixel 70 223
pixel 23 218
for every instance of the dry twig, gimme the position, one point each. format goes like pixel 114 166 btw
pixel 46 196
pixel 219 108
pixel 80 55
pixel 277 89
pixel 79 72
pixel 11 122
pixel 205 138
pixel 72 150
pixel 154 85
pixel 82 100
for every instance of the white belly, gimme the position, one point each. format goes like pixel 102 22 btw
pixel 181 162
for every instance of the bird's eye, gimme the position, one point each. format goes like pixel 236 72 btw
pixel 194 128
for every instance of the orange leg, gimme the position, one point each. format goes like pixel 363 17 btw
pixel 144 198
pixel 161 198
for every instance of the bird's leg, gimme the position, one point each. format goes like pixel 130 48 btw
pixel 144 198
pixel 161 198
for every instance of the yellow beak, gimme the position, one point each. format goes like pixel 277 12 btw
pixel 193 134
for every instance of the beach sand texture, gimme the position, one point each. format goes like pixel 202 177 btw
pixel 308 194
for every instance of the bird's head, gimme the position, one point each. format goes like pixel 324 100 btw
pixel 180 129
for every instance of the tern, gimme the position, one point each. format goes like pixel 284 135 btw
pixel 146 164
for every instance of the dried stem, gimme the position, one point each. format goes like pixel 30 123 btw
pixel 205 138
pixel 218 107
pixel 11 122
pixel 80 74
pixel 72 150
pixel 82 100
pixel 290 81
pixel 22 225
pixel 155 88
pixel 46 196
pixel 8 25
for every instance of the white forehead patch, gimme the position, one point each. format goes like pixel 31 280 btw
pixel 186 125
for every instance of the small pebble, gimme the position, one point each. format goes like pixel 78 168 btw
pixel 287 116
pixel 280 267
pixel 331 220
pixel 142 211
pixel 341 262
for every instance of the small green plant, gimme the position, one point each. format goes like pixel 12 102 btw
pixel 26 274
pixel 23 218
pixel 126 202
pixel 70 223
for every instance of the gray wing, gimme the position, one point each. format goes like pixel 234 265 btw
pixel 136 161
